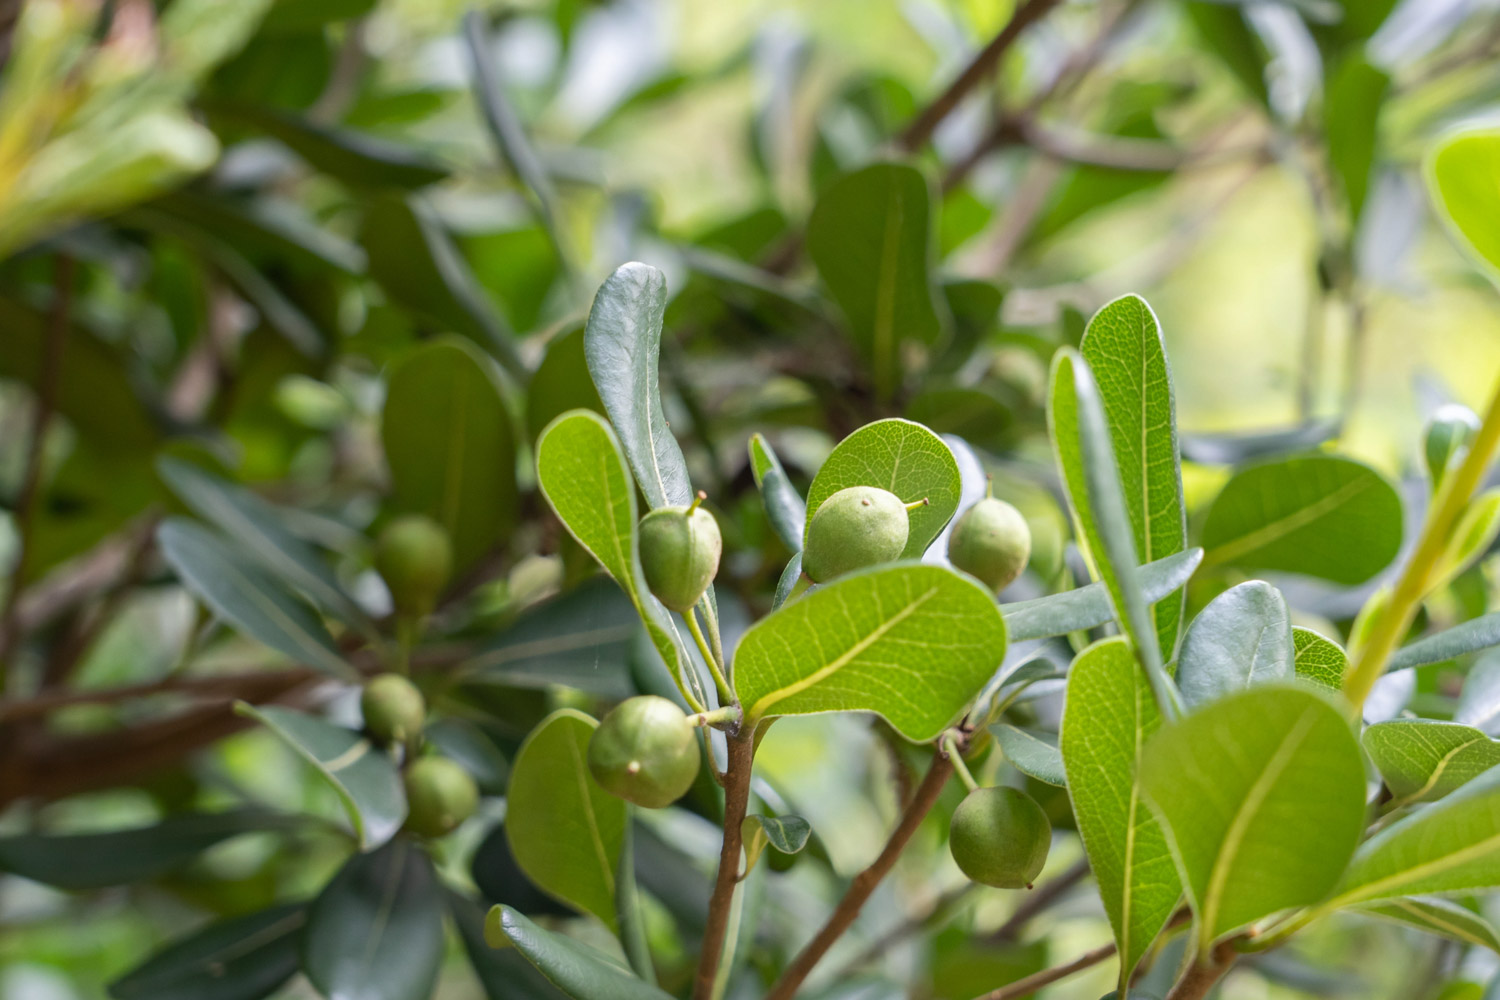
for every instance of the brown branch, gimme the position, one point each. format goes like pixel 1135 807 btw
pixel 1039 901
pixel 909 928
pixel 1202 975
pixel 1035 981
pixel 736 801
pixel 865 882
pixel 983 65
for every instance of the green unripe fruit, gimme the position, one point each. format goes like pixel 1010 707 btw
pixel 439 796
pixel 1000 837
pixel 680 549
pixel 415 559
pixel 1448 434
pixel 991 542
pixel 394 709
pixel 856 527
pixel 645 752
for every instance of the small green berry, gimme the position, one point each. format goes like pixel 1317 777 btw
pixel 394 709
pixel 645 751
pixel 680 549
pixel 415 559
pixel 856 527
pixel 439 796
pixel 1000 837
pixel 991 542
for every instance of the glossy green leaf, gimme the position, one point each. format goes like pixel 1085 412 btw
pixel 1318 659
pixel 1318 515
pixel 580 639
pixel 366 781
pixel 1448 847
pixel 565 831
pixel 785 509
pixel 788 834
pixel 450 447
pixel 622 342
pixel 1107 718
pixel 1470 637
pixel 121 857
pixel 248 597
pixel 911 643
pixel 1461 177
pixel 376 930
pixel 1354 92
pixel 1423 759
pixel 903 457
pixel 1262 797
pixel 258 527
pixel 1243 637
pixel 353 157
pixel 1032 752
pixel 504 973
pixel 871 240
pixel 583 476
pixel 1091 479
pixel 243 958
pixel 574 968
pixel 1123 346
pixel 1088 606
pixel 1439 916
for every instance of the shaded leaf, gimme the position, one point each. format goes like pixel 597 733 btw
pixel 560 383
pixel 243 958
pixel 1318 659
pixel 1088 606
pixel 580 639
pixel 353 157
pixel 1243 637
pixel 787 834
pixel 1423 759
pixel 1354 90
pixel 574 968
pixel 467 745
pixel 1470 637
pixel 1032 752
pixel 785 509
pixel 504 973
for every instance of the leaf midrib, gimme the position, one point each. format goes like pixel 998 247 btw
pixel 1283 526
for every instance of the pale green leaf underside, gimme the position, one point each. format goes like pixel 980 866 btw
pixel 565 832
pixel 1243 637
pixel 1107 718
pixel 1032 752
pixel 903 457
pixel 785 509
pixel 1123 345
pixel 573 967
pixel 1439 916
pixel 1423 759
pixel 1470 637
pixel 1088 606
pixel 1318 659
pixel 909 642
pixel 1262 795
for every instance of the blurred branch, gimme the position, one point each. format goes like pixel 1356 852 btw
pixel 1039 901
pixel 1035 981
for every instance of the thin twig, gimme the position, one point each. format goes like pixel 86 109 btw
pixel 938 911
pixel 865 882
pixel 736 801
pixel 1039 901
pixel 1035 981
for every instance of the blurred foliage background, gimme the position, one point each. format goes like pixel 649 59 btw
pixel 282 240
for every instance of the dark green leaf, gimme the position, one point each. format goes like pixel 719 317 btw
pixel 787 834
pixel 268 225
pixel 629 914
pixel 504 973
pixel 465 743
pixel 1034 753
pixel 1351 114
pixel 784 508
pixel 244 958
pixel 1229 36
pixel 1243 637
pixel 560 383
pixel 1423 759
pixel 1088 606
pixel 352 157
pixel 580 639
pixel 578 970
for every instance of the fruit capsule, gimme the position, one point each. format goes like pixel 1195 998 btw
pixel 991 542
pixel 439 796
pixel 1000 837
pixel 680 549
pixel 856 527
pixel 394 709
pixel 645 751
pixel 415 558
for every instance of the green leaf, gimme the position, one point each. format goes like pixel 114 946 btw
pixel 903 457
pixel 622 342
pixel 1318 515
pixel 1423 760
pixel 911 643
pixel 1243 637
pixel 1262 796
pixel 790 576
pixel 244 958
pixel 122 857
pixel 413 257
pixel 268 225
pixel 576 969
pixel 1439 916
pixel 365 779
pixel 353 157
pixel 1470 637
pixel 1091 480
pixel 504 973
pixel 467 745
pixel 1448 847
pixel 785 509
pixel 560 383
pixel 1471 538
pixel 257 526
pixel 1354 91
pixel 1124 348
pixel 1229 36
pixel 629 913
pixel 1461 175
pixel 1318 659
pixel 788 834
pixel 1108 716
pixel 871 240
pixel 565 831
pixel 1034 753
pixel 580 639
pixel 450 447
pixel 376 930
pixel 1088 606
pixel 248 597
pixel 583 476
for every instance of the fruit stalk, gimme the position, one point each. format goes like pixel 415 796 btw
pixel 736 802
pixel 865 882
pixel 726 694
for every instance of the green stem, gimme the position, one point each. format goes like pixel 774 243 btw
pixel 717 717
pixel 726 695
pixel 950 747
pixel 1412 586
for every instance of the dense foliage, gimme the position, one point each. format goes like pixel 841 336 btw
pixel 500 504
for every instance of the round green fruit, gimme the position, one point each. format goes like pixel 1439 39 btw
pixel 680 549
pixel 991 541
pixel 415 558
pixel 856 527
pixel 645 752
pixel 394 709
pixel 1000 837
pixel 439 796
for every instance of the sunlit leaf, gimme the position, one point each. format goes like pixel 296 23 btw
pixel 1318 659
pixel 1425 759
